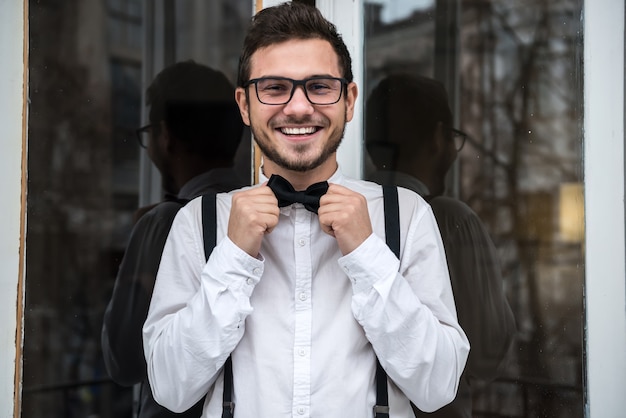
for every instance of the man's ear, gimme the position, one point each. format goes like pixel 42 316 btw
pixel 352 92
pixel 244 107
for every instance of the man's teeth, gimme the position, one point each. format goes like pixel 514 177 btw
pixel 298 131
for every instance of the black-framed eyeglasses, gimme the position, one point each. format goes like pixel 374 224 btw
pixel 143 135
pixel 319 90
pixel 459 138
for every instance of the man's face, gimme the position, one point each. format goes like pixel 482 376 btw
pixel 297 136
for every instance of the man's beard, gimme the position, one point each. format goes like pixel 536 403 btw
pixel 302 164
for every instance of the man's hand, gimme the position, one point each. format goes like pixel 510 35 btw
pixel 343 214
pixel 253 214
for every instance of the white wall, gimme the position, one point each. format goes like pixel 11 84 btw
pixel 11 120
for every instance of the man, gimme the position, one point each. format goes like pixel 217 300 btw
pixel 194 132
pixel 410 139
pixel 303 303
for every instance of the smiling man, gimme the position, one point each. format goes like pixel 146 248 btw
pixel 301 291
pixel 298 129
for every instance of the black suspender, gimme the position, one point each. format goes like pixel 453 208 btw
pixel 209 223
pixel 392 218
pixel 392 236
pixel 209 234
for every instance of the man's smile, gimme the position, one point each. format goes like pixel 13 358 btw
pixel 308 130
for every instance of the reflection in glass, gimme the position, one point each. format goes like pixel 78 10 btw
pixel 514 85
pixel 194 132
pixel 410 115
pixel 87 69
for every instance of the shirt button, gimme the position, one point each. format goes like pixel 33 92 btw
pixel 256 271
pixel 302 242
pixel 250 281
pixel 301 410
pixel 302 296
pixel 302 352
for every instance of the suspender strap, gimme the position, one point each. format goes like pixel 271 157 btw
pixel 392 218
pixel 228 406
pixel 209 223
pixel 209 232
pixel 392 236
pixel 381 409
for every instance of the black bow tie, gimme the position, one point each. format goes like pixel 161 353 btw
pixel 286 194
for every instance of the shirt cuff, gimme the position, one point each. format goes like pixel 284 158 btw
pixel 235 268
pixel 371 264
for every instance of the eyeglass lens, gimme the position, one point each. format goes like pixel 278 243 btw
pixel 280 90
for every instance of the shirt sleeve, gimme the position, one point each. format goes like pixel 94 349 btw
pixel 197 313
pixel 407 311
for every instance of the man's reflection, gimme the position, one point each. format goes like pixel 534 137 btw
pixel 411 142
pixel 192 138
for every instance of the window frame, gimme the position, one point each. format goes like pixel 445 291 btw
pixel 13 108
pixel 603 161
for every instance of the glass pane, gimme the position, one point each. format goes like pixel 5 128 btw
pixel 87 69
pixel 512 74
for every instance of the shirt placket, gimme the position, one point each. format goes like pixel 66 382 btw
pixel 303 314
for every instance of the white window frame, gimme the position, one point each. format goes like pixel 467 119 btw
pixel 605 293
pixel 13 117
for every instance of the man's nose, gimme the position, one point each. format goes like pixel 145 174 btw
pixel 299 103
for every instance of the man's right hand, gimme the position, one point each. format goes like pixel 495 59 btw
pixel 254 213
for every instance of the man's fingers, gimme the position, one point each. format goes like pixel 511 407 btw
pixel 343 214
pixel 254 213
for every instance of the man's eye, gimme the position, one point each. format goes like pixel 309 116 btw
pixel 317 87
pixel 275 88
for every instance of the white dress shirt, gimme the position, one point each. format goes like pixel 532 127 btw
pixel 304 323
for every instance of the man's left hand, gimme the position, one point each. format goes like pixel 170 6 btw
pixel 343 214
